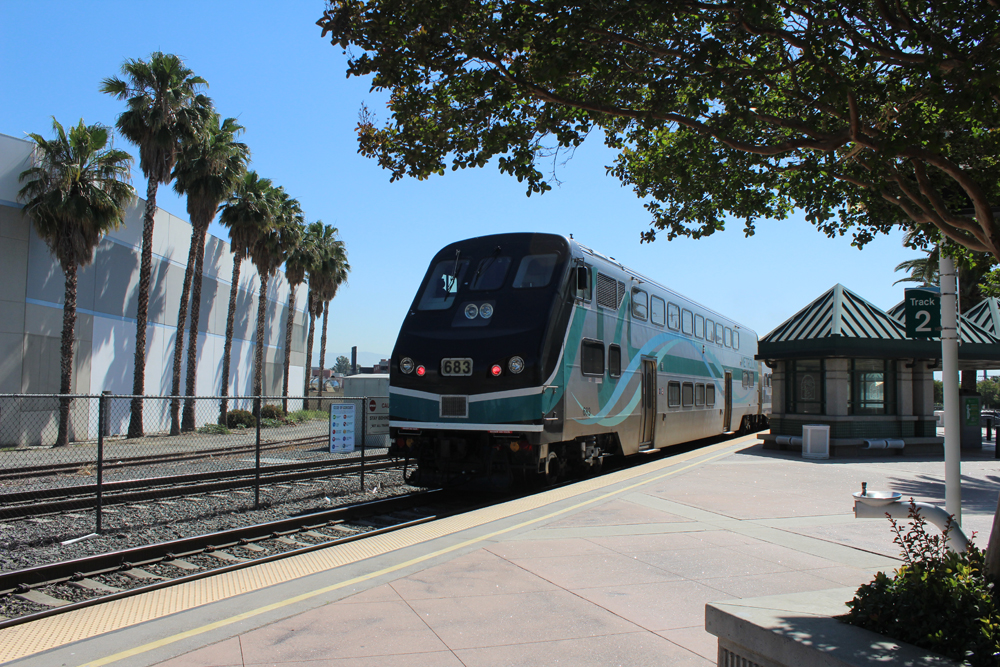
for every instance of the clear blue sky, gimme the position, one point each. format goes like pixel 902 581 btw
pixel 268 67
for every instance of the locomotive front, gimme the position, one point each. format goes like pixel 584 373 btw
pixel 476 356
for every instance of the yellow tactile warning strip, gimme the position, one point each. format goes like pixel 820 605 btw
pixel 29 638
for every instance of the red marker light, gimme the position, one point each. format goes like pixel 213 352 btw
pixel 496 370
pixel 421 371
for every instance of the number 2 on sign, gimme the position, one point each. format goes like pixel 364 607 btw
pixel 923 321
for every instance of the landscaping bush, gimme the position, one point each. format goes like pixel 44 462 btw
pixel 938 599
pixel 270 423
pixel 307 415
pixel 214 429
pixel 272 412
pixel 240 419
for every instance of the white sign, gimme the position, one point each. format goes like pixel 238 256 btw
pixel 377 416
pixel 341 428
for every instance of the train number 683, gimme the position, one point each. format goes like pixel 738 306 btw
pixel 456 367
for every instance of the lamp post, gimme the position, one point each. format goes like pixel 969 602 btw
pixel 949 376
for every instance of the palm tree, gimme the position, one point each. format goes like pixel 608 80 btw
pixel 77 191
pixel 322 237
pixel 247 212
pixel 301 260
pixel 207 171
pixel 164 108
pixel 267 254
pixel 334 272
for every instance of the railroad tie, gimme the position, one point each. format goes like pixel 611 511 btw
pixel 91 585
pixel 41 598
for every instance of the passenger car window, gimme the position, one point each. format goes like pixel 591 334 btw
pixel 674 395
pixel 729 337
pixel 673 316
pixel 718 333
pixel 736 339
pixel 535 271
pixel 687 394
pixel 443 285
pixel 640 303
pixel 657 310
pixel 699 395
pixel 614 361
pixel 592 357
pixel 686 322
pixel 710 331
pixel 710 395
pixel 699 326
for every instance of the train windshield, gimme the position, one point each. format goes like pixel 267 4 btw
pixel 443 285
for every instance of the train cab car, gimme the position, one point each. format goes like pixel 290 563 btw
pixel 528 356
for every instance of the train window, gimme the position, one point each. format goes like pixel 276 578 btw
pixel 736 339
pixel 673 316
pixel 614 361
pixel 657 310
pixel 584 286
pixel 710 331
pixel 699 326
pixel 728 337
pixel 687 394
pixel 686 325
pixel 673 394
pixel 710 395
pixel 751 378
pixel 718 333
pixel 535 270
pixel 442 285
pixel 490 273
pixel 592 357
pixel 640 303
pixel 746 379
pixel 699 395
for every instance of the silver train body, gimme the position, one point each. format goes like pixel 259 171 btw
pixel 528 354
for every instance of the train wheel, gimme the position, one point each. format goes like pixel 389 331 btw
pixel 555 469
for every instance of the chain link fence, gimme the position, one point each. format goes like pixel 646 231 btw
pixel 221 446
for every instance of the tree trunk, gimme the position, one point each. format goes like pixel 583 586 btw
pixel 228 346
pixel 322 352
pixel 309 344
pixel 135 429
pixel 289 326
pixel 66 363
pixel 993 549
pixel 258 366
pixel 175 386
pixel 188 423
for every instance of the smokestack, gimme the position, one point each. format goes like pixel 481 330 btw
pixel 354 360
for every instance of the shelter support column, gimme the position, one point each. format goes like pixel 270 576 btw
pixel 838 387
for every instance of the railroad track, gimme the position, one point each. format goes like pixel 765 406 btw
pixel 115 463
pixel 29 594
pixel 54 500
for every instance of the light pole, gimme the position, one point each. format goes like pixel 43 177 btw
pixel 949 377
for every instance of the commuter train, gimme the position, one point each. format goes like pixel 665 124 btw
pixel 531 356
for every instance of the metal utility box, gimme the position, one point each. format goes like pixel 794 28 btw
pixel 357 386
pixel 816 441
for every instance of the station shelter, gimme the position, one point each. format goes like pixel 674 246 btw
pixel 844 363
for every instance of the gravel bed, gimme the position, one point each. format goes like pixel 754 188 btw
pixel 32 542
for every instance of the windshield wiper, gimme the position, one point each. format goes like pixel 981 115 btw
pixel 485 265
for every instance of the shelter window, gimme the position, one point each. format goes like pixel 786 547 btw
pixel 535 270
pixel 673 316
pixel 592 357
pixel 614 361
pixel 710 331
pixel 686 325
pixel 640 303
pixel 808 381
pixel 490 274
pixel 710 395
pixel 728 337
pixel 699 395
pixel 687 394
pixel 673 394
pixel 871 387
pixel 699 326
pixel 657 310
pixel 442 285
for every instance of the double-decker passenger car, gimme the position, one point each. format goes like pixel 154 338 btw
pixel 531 354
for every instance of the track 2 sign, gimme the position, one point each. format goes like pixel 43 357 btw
pixel 922 313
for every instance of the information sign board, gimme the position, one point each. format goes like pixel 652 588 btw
pixel 922 312
pixel 377 416
pixel 342 422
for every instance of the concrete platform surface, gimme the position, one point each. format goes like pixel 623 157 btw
pixel 617 573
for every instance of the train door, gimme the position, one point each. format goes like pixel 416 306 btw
pixel 648 401
pixel 727 414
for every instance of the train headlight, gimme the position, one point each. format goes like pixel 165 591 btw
pixel 496 370
pixel 486 311
pixel 471 311
pixel 406 365
pixel 516 365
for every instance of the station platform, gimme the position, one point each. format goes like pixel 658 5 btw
pixel 615 570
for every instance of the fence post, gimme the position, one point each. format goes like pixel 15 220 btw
pixel 364 436
pixel 102 424
pixel 256 484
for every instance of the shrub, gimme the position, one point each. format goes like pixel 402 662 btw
pixel 214 429
pixel 307 415
pixel 240 419
pixel 938 599
pixel 272 412
pixel 270 423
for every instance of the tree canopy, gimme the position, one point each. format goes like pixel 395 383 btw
pixel 864 114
